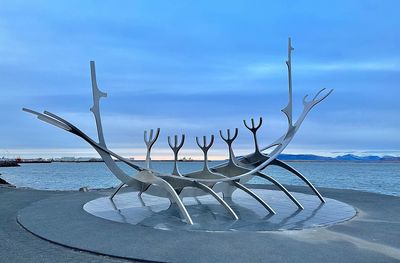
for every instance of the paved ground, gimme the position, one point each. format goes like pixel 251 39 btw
pixel 18 245
pixel 372 236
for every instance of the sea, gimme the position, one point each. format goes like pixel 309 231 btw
pixel 376 177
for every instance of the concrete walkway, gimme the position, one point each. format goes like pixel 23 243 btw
pixel 18 245
pixel 372 236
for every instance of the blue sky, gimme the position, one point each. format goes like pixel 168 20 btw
pixel 197 67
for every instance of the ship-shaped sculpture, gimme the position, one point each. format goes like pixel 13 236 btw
pixel 224 178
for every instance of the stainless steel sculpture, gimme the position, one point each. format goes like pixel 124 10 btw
pixel 224 178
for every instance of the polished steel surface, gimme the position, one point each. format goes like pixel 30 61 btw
pixel 225 178
pixel 176 147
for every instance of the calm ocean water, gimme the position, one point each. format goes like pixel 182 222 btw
pixel 373 177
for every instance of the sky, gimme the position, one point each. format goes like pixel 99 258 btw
pixel 196 67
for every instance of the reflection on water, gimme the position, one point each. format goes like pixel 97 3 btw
pixel 372 177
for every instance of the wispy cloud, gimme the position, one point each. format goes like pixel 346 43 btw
pixel 315 68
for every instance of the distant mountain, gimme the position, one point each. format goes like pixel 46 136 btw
pixel 352 157
pixel 390 158
pixel 346 157
pixel 304 157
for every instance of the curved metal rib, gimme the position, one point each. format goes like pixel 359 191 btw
pixel 251 193
pixel 298 174
pixel 207 189
pixel 117 190
pixel 175 197
pixel 234 169
pixel 280 186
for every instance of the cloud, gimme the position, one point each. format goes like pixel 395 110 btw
pixel 328 67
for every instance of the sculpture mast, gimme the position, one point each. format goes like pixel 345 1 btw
pixel 288 109
pixel 95 109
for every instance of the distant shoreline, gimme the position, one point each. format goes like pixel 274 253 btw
pixel 198 161
pixel 348 158
pixel 300 161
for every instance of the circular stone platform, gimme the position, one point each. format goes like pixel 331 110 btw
pixel 209 215
pixel 156 232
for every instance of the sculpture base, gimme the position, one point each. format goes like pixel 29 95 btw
pixel 209 215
